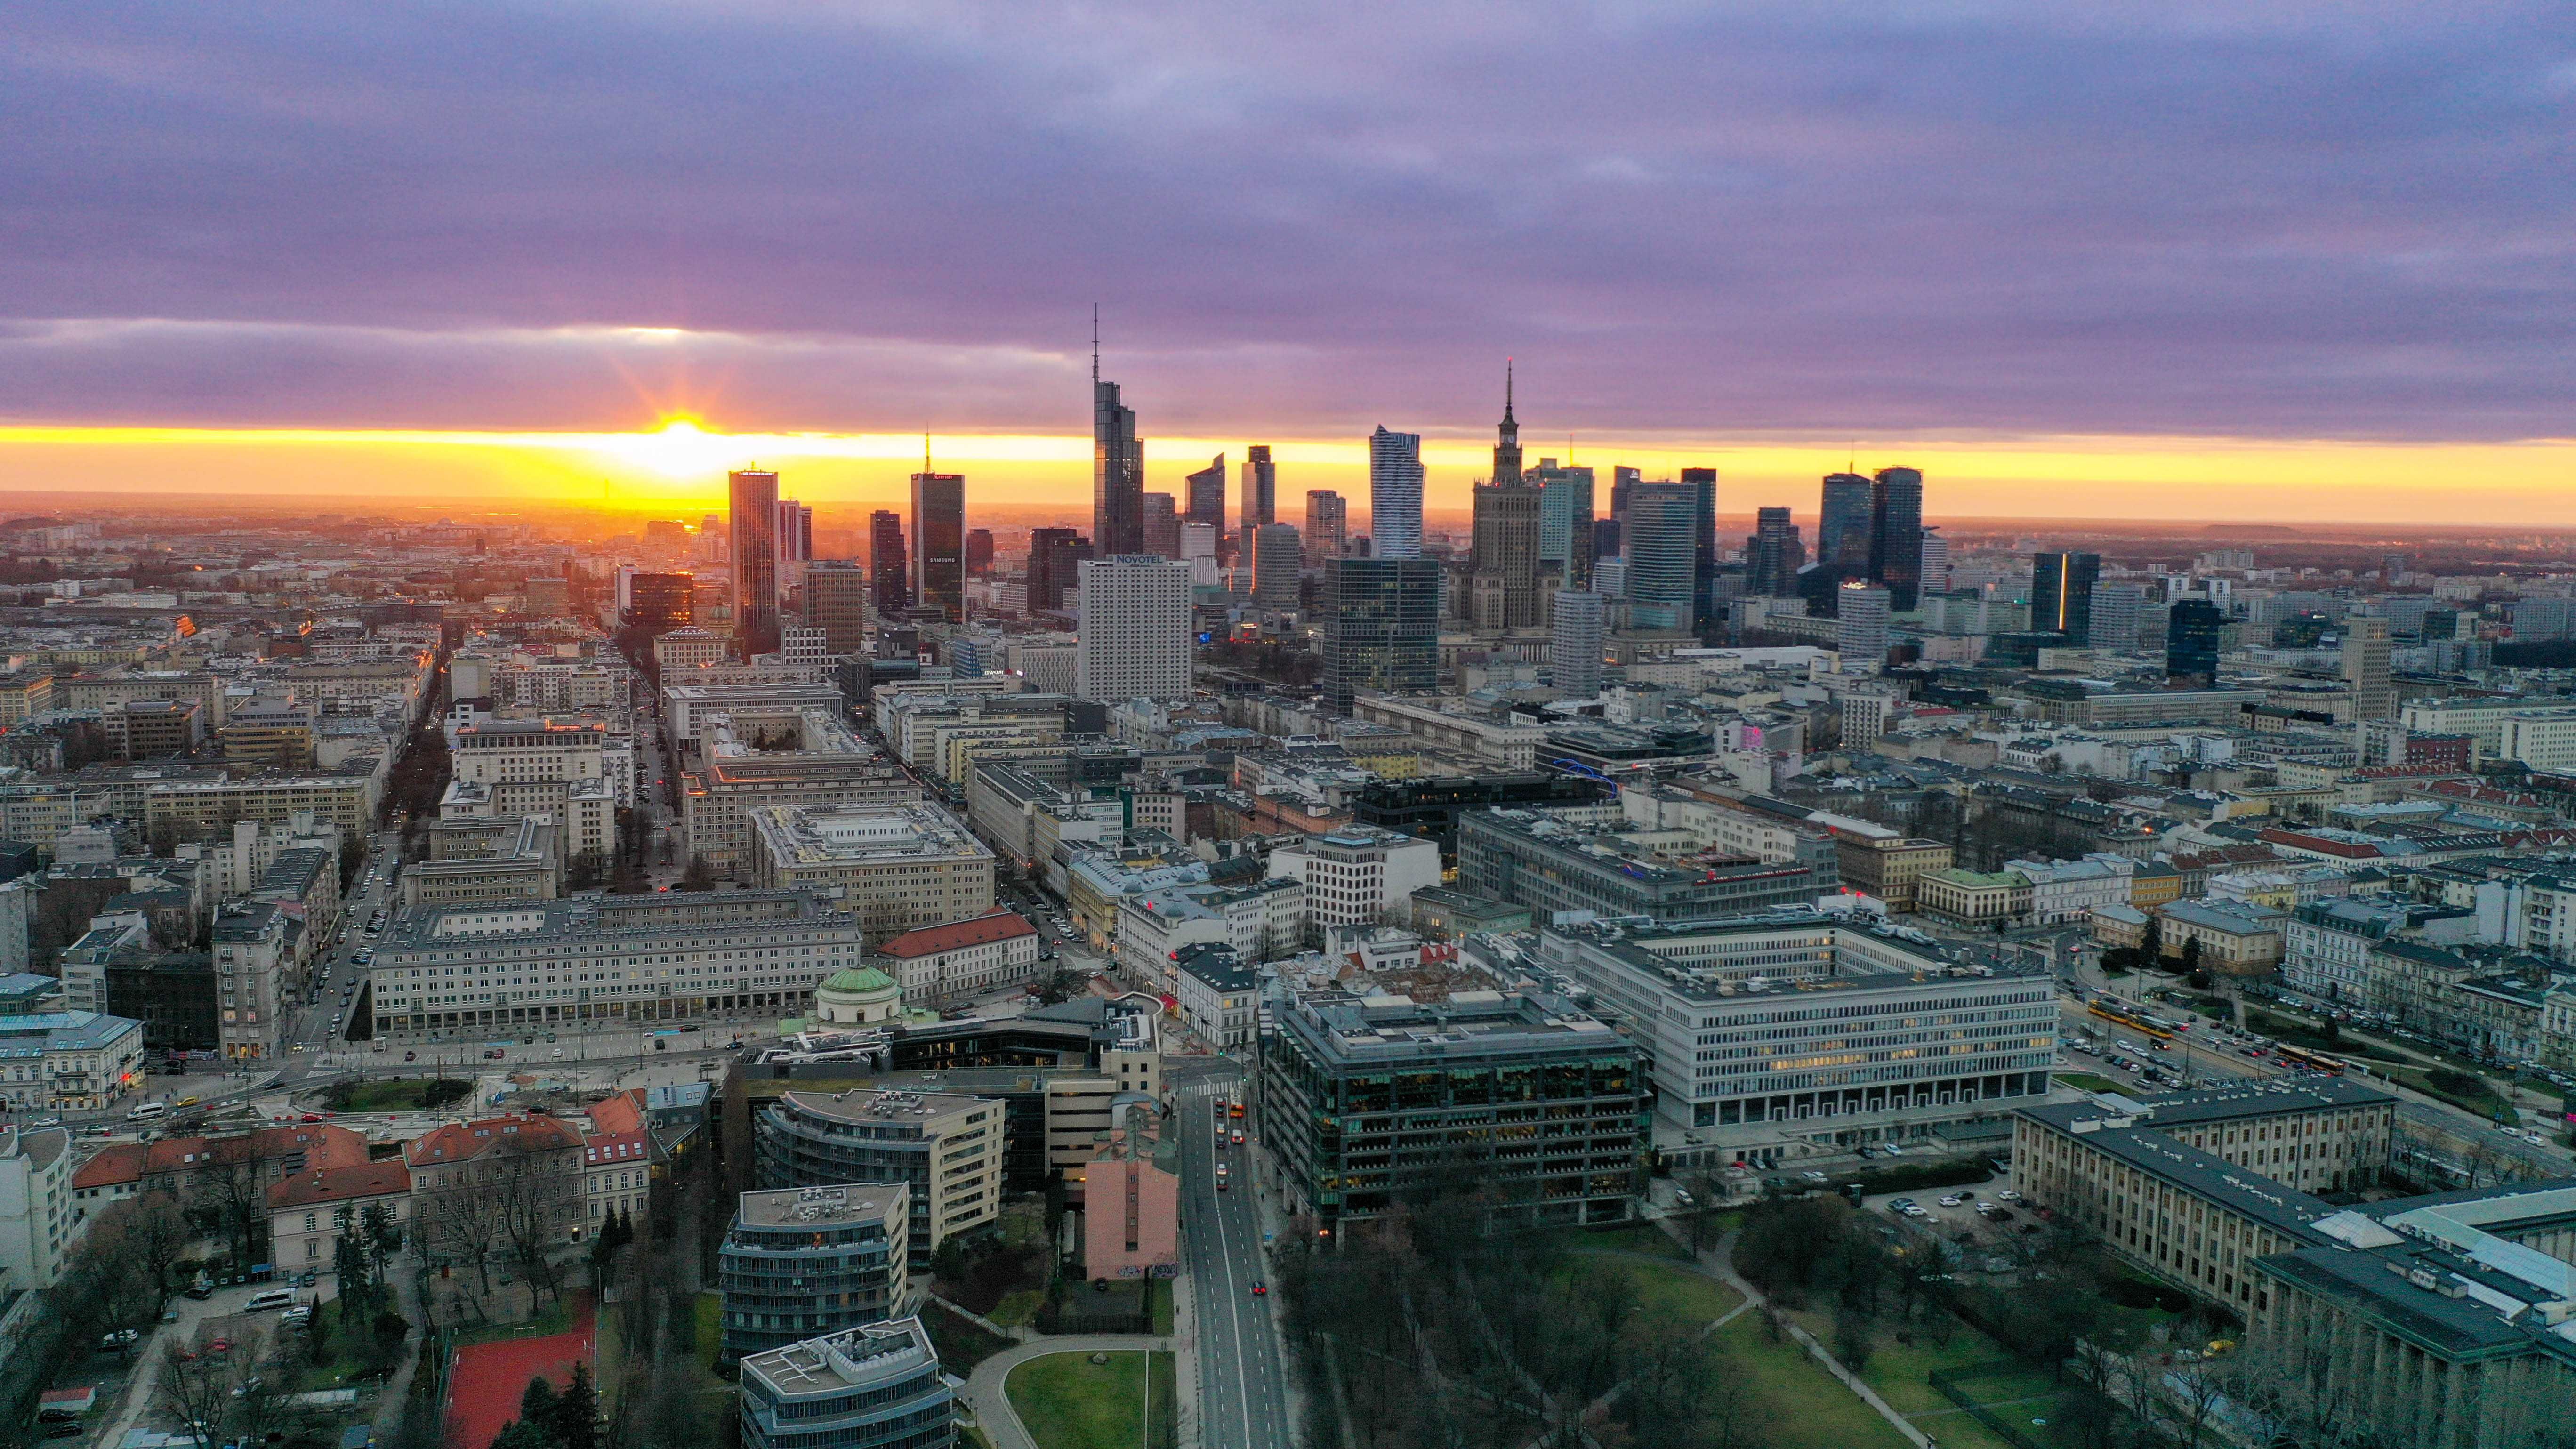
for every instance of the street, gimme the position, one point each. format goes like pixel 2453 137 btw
pixel 1243 1402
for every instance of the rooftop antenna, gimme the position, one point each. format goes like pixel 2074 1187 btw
pixel 925 451
pixel 1095 344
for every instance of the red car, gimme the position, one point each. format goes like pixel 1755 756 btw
pixel 1260 1290
pixel 312 1117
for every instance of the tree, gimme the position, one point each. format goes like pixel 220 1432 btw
pixel 537 1405
pixel 699 876
pixel 196 1389
pixel 576 1418
pixel 2191 955
pixel 2151 946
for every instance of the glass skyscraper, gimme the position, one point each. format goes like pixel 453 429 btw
pixel 939 543
pixel 2061 593
pixel 753 527
pixel 1896 535
pixel 1395 494
pixel 1661 540
pixel 1381 627
pixel 1117 473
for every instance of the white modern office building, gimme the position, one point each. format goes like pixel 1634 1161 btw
pixel 1134 640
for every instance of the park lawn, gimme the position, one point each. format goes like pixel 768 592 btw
pixel 706 1324
pixel 2085 1081
pixel 1162 1290
pixel 1069 1402
pixel 344 1367
pixel 1804 1407
pixel 555 1318
pixel 1681 1297
pixel 1633 1238
pixel 1018 1307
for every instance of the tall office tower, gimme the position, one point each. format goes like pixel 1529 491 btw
pixel 2365 667
pixel 1198 550
pixel 1623 480
pixel 1278 559
pixel 2191 642
pixel 659 602
pixel 1936 561
pixel 1395 494
pixel 1860 624
pixel 1381 628
pixel 2061 594
pixel 1162 526
pixel 1260 490
pixel 979 551
pixel 939 543
pixel 1896 535
pixel 1117 472
pixel 753 526
pixel 1204 494
pixel 711 541
pixel 1842 526
pixel 1327 525
pixel 1574 642
pixel 1773 555
pixel 836 602
pixel 1605 540
pixel 1704 606
pixel 891 577
pixel 1663 520
pixel 1134 640
pixel 2117 608
pixel 1503 576
pixel 1054 555
pixel 795 544
pixel 1507 437
pixel 1564 521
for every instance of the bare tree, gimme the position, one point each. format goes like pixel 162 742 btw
pixel 538 1191
pixel 196 1388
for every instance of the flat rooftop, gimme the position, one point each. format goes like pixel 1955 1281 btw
pixel 829 835
pixel 790 1207
pixel 837 1363
pixel 930 1111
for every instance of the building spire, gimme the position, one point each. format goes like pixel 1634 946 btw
pixel 1507 390
pixel 925 452
pixel 1095 344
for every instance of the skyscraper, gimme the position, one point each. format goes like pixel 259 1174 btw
pixel 752 496
pixel 1773 555
pixel 1134 640
pixel 1054 554
pixel 2117 609
pixel 1162 526
pixel 979 551
pixel 1381 628
pixel 1327 525
pixel 1206 494
pixel 1896 535
pixel 2191 641
pixel 1663 521
pixel 2365 667
pixel 1395 494
pixel 1936 561
pixel 939 543
pixel 795 541
pixel 1703 485
pixel 889 577
pixel 1623 479
pixel 1117 471
pixel 1565 536
pixel 1842 526
pixel 1260 490
pixel 1574 642
pixel 1860 625
pixel 2061 593
pixel 1507 437
pixel 1278 560
pixel 836 602
pixel 1503 579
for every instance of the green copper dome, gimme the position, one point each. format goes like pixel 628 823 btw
pixel 859 981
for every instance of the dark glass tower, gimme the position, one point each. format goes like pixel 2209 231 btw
pixel 1117 472
pixel 1843 527
pixel 753 527
pixel 939 543
pixel 890 578
pixel 1205 502
pixel 1702 483
pixel 2061 593
pixel 1055 558
pixel 1260 491
pixel 1381 627
pixel 1773 555
pixel 2191 642
pixel 1896 536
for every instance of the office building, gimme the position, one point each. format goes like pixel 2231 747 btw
pixel 1162 526
pixel 1260 491
pixel 1357 875
pixel 1327 526
pixel 1054 554
pixel 2118 611
pixel 795 541
pixel 1278 562
pixel 1134 641
pixel 1660 533
pixel 812 758
pixel 1565 537
pixel 499 966
pixel 894 867
pixel 887 568
pixel 1843 526
pixel 1773 555
pixel 803 1262
pixel 2061 594
pixel 658 602
pixel 1502 587
pixel 939 544
pixel 1936 562
pixel 945 1147
pixel 1541 1103
pixel 2191 641
pixel 1576 635
pixel 2365 667
pixel 1896 535
pixel 1381 621
pixel 1395 494
pixel 1547 864
pixel 752 525
pixel 962 957
pixel 979 551
pixel 1861 612
pixel 1702 483
pixel 1117 472
pixel 876 1387
pixel 1204 498
pixel 1924 1037
pixel 836 602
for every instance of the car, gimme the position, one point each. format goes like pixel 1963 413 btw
pixel 1953 1200
pixel 120 1338
pixel 494 1054
pixel 1238 1137
pixel 409 1056
pixel 557 1054
pixel 1260 1289
pixel 692 1026
pixel 185 1102
pixel 218 1347
pixel 269 1298
pixel 1812 1175
pixel 198 1291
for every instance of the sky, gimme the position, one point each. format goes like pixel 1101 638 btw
pixel 2172 260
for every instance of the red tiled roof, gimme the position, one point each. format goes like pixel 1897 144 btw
pixel 322 1144
pixel 608 1147
pixel 339 1184
pixel 464 1141
pixel 115 1164
pixel 621 1113
pixel 979 931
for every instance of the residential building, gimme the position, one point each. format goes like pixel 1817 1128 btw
pixel 1576 634
pixel 893 867
pixel 38 1218
pixel 2326 944
pixel 874 1387
pixel 804 1262
pixel 259 953
pixel 2067 892
pixel 940 963
pixel 78 1061
pixel 465 1175
pixel 1135 638
pixel 1861 614
pixel 1219 995
pixel 1326 534
pixel 945 1147
pixel 617 1174
pixel 2236 939
pixel 2365 667
pixel 1544 1104
pixel 307 1210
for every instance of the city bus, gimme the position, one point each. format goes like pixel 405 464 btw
pixel 2302 1060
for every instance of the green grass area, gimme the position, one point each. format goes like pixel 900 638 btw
pixel 1069 1402
pixel 961 1344
pixel 1901 1373
pixel 2483 1102
pixel 1679 1296
pixel 706 1322
pixel 1018 1308
pixel 407 1095
pixel 1634 1238
pixel 1162 1290
pixel 2086 1082
pixel 344 1367
pixel 556 1318
pixel 1803 1406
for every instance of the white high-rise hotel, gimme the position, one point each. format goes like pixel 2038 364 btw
pixel 1134 639
pixel 1395 494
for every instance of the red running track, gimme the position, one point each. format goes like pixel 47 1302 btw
pixel 484 1385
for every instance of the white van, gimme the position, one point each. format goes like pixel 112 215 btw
pixel 269 1298
pixel 147 1111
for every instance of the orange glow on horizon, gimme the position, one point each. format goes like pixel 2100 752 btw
pixel 679 465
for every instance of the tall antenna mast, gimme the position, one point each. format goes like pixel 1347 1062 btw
pixel 1095 344
pixel 925 451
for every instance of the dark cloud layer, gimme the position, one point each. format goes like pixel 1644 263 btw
pixel 2289 220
